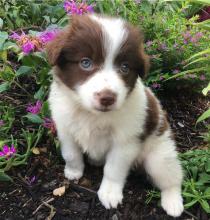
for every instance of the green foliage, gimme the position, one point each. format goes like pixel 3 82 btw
pixel 197 180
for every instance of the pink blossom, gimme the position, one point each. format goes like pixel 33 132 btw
pixel 35 109
pixel 28 47
pixel 1 123
pixel 149 43
pixel 7 151
pixel 71 7
pixel 176 71
pixel 50 124
pixel 202 77
pixel 48 35
pixel 156 85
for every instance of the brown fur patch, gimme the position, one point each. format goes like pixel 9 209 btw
pixel 152 117
pixel 83 38
pixel 163 126
pixel 132 52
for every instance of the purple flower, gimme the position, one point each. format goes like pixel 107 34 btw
pixel 28 47
pixel 138 1
pixel 176 71
pixel 30 180
pixel 49 123
pixel 163 46
pixel 71 7
pixel 1 123
pixel 34 109
pixel 156 85
pixel 175 45
pixel 186 35
pixel 7 151
pixel 161 78
pixel 149 43
pixel 202 77
pixel 48 35
pixel 199 35
pixel 16 36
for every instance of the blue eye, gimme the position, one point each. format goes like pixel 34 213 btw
pixel 86 64
pixel 124 68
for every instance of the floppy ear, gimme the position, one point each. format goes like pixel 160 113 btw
pixel 145 62
pixel 54 47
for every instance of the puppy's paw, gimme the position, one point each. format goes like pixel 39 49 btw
pixel 110 194
pixel 72 174
pixel 172 202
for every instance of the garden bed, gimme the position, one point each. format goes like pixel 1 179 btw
pixel 25 200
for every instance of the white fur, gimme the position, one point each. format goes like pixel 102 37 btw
pixel 113 136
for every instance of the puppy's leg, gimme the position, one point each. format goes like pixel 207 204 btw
pixel 163 166
pixel 73 157
pixel 118 163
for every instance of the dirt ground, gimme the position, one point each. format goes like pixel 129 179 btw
pixel 24 200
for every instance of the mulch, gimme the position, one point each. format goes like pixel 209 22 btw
pixel 24 200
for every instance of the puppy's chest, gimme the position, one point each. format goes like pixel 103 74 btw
pixel 93 137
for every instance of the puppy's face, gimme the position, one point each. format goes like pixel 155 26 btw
pixel 99 59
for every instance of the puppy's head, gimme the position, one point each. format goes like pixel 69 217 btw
pixel 100 59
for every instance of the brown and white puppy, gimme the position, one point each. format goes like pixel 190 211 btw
pixel 101 108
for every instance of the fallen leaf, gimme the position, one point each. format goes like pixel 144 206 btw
pixel 180 124
pixel 35 150
pixel 59 191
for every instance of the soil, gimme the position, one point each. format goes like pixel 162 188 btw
pixel 24 200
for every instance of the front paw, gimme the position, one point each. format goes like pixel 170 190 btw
pixel 72 174
pixel 110 194
pixel 172 202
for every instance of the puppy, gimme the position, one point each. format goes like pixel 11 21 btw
pixel 101 107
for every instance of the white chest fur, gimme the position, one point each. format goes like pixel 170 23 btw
pixel 96 133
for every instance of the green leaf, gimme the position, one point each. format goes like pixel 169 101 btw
pixel 204 178
pixel 3 55
pixel 186 194
pixel 40 93
pixel 1 23
pixel 23 70
pixel 206 90
pixel 205 205
pixel 190 203
pixel 207 191
pixel 4 86
pixel 5 177
pixel 204 116
pixel 34 118
pixel 3 35
pixel 7 73
pixel 207 165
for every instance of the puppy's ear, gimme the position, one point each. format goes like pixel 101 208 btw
pixel 54 47
pixel 145 62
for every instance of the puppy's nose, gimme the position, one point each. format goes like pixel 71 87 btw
pixel 106 97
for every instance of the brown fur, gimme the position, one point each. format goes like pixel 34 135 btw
pixel 163 126
pixel 84 38
pixel 132 52
pixel 152 117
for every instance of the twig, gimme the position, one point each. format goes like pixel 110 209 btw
pixel 82 188
pixel 190 214
pixel 43 203
pixel 52 210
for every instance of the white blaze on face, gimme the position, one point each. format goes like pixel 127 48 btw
pixel 107 78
